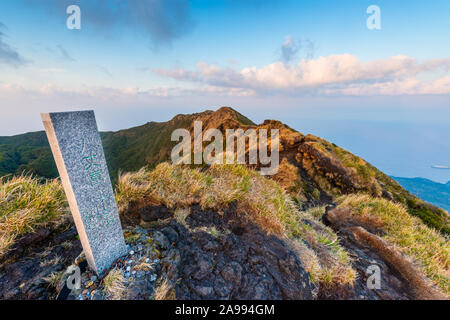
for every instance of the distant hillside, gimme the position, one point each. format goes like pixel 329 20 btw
pixel 28 152
pixel 313 170
pixel 434 192
pixel 126 150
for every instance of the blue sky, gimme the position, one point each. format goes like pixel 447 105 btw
pixel 301 62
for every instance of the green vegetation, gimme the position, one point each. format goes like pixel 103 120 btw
pixel 53 279
pixel 27 153
pixel 126 150
pixel 27 203
pixel 429 248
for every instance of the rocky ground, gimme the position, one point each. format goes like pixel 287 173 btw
pixel 30 270
pixel 186 254
pixel 139 270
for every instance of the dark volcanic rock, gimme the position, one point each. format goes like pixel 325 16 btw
pixel 216 263
pixel 211 256
pixel 37 256
pixel 153 213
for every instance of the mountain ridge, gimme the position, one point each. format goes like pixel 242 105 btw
pixel 313 170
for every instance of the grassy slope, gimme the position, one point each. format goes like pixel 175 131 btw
pixel 428 248
pixel 366 178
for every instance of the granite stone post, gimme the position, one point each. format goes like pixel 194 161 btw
pixel 79 156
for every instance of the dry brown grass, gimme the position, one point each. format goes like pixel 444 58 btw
pixel 114 285
pixel 165 291
pixel 27 203
pixel 428 248
pixel 287 176
pixel 260 199
pixel 52 262
pixel 177 186
pixel 422 286
pixel 145 266
pixel 328 262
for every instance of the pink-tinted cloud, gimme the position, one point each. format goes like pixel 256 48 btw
pixel 335 74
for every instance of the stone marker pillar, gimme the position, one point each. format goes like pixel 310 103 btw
pixel 78 153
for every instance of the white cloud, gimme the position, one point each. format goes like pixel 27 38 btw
pixel 335 74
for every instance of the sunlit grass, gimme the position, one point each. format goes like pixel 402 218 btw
pixel 429 248
pixel 27 203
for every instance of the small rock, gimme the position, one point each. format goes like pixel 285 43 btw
pixel 141 230
pixel 128 269
pixel 147 260
pixel 232 272
pixel 134 272
pixel 204 268
pixel 161 240
pixel 130 261
pixel 131 252
pixel 93 278
pixel 170 233
pixel 203 291
pixel 152 213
